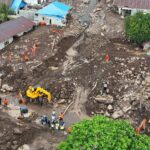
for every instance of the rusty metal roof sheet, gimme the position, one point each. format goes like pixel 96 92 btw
pixel 13 27
pixel 137 4
pixel 8 2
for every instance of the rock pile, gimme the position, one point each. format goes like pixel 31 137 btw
pixel 129 88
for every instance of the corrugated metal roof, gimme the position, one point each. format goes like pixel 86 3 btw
pixel 14 27
pixel 56 9
pixel 137 4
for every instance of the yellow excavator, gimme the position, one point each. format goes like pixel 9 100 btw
pixel 35 93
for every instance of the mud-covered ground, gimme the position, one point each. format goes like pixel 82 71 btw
pixel 13 136
pixel 71 64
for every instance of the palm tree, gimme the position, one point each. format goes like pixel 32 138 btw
pixel 4 12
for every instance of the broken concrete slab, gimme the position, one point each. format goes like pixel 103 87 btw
pixel 106 99
pixel 17 131
pixel 110 107
pixel 6 87
pixel 147 79
pixel 86 1
pixel 117 114
pixel 62 101
pixel 24 147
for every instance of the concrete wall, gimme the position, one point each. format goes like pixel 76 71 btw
pixel 27 13
pixel 49 20
pixel 133 11
pixel 31 2
pixel 5 43
pixel 34 2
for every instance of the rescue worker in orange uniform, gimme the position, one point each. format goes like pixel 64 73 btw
pixel 5 102
pixel 69 130
pixel 61 116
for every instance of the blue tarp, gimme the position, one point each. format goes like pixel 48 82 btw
pixel 56 9
pixel 18 4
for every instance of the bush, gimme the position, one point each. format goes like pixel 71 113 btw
pixel 137 27
pixel 5 11
pixel 102 133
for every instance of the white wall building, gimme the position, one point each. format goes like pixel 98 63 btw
pixel 131 7
pixel 49 20
pixel 53 14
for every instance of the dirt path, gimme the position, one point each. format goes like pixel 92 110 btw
pixel 71 53
pixel 81 98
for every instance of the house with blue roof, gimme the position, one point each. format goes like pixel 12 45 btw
pixel 53 14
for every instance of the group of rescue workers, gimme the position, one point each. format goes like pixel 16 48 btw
pixel 55 123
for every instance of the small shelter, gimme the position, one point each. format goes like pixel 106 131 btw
pixel 53 14
pixel 130 7
pixel 14 28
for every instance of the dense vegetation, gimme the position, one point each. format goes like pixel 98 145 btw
pixel 138 27
pixel 5 11
pixel 102 133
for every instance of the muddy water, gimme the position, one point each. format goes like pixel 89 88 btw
pixel 86 18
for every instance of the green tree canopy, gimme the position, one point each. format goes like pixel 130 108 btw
pixel 102 133
pixel 4 12
pixel 137 27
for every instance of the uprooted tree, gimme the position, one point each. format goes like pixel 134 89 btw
pixel 137 27
pixel 102 133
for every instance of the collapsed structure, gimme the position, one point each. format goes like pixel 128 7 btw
pixel 14 28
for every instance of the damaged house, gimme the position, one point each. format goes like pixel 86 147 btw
pixel 130 7
pixel 14 28
pixel 53 14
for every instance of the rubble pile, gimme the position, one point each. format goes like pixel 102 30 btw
pixel 129 86
pixel 71 64
pixel 62 91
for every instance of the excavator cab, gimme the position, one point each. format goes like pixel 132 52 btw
pixel 35 93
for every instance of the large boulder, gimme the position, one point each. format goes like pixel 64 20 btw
pixel 117 114
pixel 106 99
pixel 17 131
pixel 6 87
pixel 147 80
pixel 146 46
pixel 86 1
pixel 24 147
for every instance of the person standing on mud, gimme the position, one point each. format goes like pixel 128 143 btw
pixel 61 116
pixel 105 88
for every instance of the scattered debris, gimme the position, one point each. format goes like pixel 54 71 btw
pixel 6 87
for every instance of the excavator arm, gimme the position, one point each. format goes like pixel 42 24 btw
pixel 38 92
pixel 142 126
